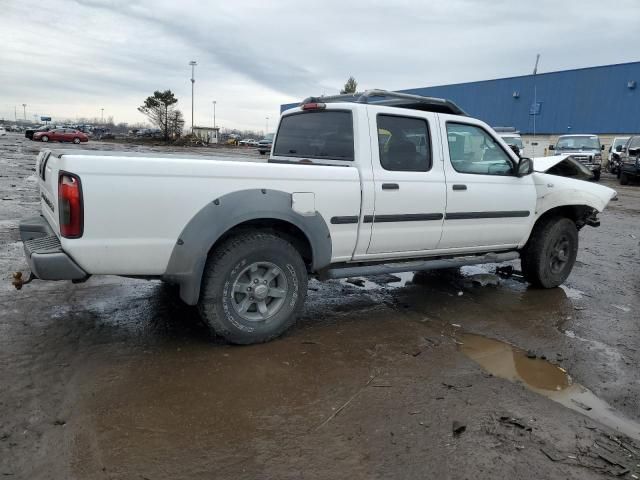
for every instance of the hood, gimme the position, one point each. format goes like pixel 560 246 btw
pixel 542 164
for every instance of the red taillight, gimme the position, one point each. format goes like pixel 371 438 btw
pixel 70 205
pixel 314 106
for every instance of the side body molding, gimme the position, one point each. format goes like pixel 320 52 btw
pixel 189 255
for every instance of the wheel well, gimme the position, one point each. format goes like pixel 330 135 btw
pixel 282 228
pixel 580 214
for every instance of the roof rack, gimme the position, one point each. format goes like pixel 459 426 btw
pixel 392 99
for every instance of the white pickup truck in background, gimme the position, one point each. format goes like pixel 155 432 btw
pixel 355 185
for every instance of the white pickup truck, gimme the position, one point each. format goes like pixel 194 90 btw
pixel 355 185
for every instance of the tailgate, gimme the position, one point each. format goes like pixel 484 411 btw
pixel 47 166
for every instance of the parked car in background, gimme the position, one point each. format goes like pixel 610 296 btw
pixel 29 132
pixel 511 137
pixel 61 135
pixel 613 165
pixel 247 142
pixel 3 132
pixel 630 160
pixel 587 149
pixel 264 145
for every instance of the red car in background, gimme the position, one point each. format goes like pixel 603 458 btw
pixel 61 135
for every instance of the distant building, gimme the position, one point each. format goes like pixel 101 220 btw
pixel 207 134
pixel 603 100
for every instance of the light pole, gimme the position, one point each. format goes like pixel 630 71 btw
pixel 102 115
pixel 24 110
pixel 193 64
pixel 267 129
pixel 214 114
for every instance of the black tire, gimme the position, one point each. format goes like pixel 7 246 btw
pixel 76 140
pixel 229 263
pixel 624 179
pixel 550 253
pixel 596 175
pixel 262 153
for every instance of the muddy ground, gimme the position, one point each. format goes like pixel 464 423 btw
pixel 425 377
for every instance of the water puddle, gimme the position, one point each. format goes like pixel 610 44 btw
pixel 508 362
pixel 385 280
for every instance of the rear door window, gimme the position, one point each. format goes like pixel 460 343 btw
pixel 323 134
pixel 404 143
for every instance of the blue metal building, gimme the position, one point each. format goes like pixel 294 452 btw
pixel 599 100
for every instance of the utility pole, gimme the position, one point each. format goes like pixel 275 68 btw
pixel 102 116
pixel 214 114
pixel 24 110
pixel 267 129
pixel 535 103
pixel 193 64
pixel 15 113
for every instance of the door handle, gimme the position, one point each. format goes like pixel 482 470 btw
pixel 459 187
pixel 390 186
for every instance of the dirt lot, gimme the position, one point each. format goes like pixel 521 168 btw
pixel 432 376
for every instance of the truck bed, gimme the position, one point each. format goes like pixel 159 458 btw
pixel 137 204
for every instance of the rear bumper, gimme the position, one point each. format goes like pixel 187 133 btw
pixel 44 254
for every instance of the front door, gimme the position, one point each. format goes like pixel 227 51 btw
pixel 487 204
pixel 408 181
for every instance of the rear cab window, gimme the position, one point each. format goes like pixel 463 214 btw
pixel 320 135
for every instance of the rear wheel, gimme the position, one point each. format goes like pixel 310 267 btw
pixel 254 287
pixel 44 138
pixel 596 175
pixel 624 179
pixel 550 253
pixel 76 140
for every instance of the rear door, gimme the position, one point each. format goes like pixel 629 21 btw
pixel 409 183
pixel 487 204
pixel 68 135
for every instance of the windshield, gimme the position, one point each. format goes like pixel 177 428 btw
pixel 269 137
pixel 578 143
pixel 517 141
pixel 620 141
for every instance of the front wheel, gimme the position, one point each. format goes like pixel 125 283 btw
pixel 548 257
pixel 45 138
pixel 76 140
pixel 596 175
pixel 253 288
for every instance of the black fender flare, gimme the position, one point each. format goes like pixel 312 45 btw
pixel 189 255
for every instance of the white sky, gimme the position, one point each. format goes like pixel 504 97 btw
pixel 70 58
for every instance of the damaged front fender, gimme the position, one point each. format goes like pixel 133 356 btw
pixel 555 191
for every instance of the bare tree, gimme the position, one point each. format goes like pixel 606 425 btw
pixel 176 123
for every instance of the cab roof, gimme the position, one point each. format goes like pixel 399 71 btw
pixel 392 99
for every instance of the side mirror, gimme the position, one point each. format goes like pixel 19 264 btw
pixel 619 148
pixel 602 147
pixel 525 167
pixel 551 147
